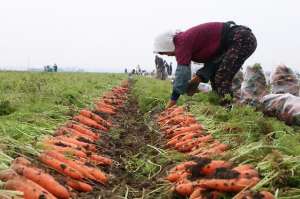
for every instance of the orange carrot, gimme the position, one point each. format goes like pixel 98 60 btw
pixel 83 130
pixel 57 142
pixel 246 171
pixel 73 132
pixel 87 146
pixel 100 160
pixel 211 167
pixel 88 172
pixel 244 167
pixel 183 166
pixel 177 176
pixel 198 192
pixel 30 189
pixel 215 150
pixel 253 194
pixel 194 127
pixel 267 195
pixel 65 149
pixel 106 105
pixel 41 178
pixel 87 121
pixel 7 174
pixel 102 109
pixel 97 173
pixel 203 146
pixel 79 186
pixel 95 117
pixel 184 189
pixel 21 160
pixel 227 185
pixel 60 166
pixel 184 147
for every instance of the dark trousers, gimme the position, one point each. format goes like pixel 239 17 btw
pixel 221 71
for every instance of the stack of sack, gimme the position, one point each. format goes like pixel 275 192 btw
pixel 284 102
pixel 254 86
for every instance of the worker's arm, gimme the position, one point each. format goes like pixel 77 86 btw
pixel 180 85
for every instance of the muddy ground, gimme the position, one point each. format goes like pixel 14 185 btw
pixel 140 163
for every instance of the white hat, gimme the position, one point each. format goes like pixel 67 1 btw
pixel 164 42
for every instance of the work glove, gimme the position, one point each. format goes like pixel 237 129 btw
pixel 193 86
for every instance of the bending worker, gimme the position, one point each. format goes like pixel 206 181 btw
pixel 222 47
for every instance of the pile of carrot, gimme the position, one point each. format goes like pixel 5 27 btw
pixel 203 177
pixel 186 135
pixel 71 152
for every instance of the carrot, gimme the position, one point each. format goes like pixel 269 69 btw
pixel 185 189
pixel 198 191
pixel 244 167
pixel 88 172
pixel 194 127
pixel 73 132
pixel 246 171
pixel 97 173
pixel 7 174
pixel 183 137
pixel 169 116
pixel 87 146
pixel 100 160
pixel 193 141
pixel 177 176
pixel 65 149
pixel 185 147
pixel 183 166
pixel 217 150
pixel 227 185
pixel 95 117
pixel 21 160
pixel 202 147
pixel 62 143
pixel 106 105
pixel 253 195
pixel 177 133
pixel 267 195
pixel 41 178
pixel 116 102
pixel 79 186
pixel 83 130
pixel 90 123
pixel 69 162
pixel 211 167
pixel 30 189
pixel 102 109
pixel 185 134
pixel 60 166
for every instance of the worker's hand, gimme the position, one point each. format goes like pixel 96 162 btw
pixel 171 103
pixel 193 86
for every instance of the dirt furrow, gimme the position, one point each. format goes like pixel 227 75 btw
pixel 139 164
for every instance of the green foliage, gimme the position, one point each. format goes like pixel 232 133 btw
pixel 263 141
pixel 34 104
pixel 6 108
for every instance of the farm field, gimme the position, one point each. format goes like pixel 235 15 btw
pixel 129 141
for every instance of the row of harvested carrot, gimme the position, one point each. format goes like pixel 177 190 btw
pixel 203 177
pixel 71 152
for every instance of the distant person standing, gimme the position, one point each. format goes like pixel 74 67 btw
pixel 126 71
pixel 222 47
pixel 55 68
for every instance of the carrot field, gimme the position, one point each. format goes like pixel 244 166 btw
pixel 94 135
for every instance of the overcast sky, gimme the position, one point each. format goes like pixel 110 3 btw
pixel 99 35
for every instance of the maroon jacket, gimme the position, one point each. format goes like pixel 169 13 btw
pixel 199 44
